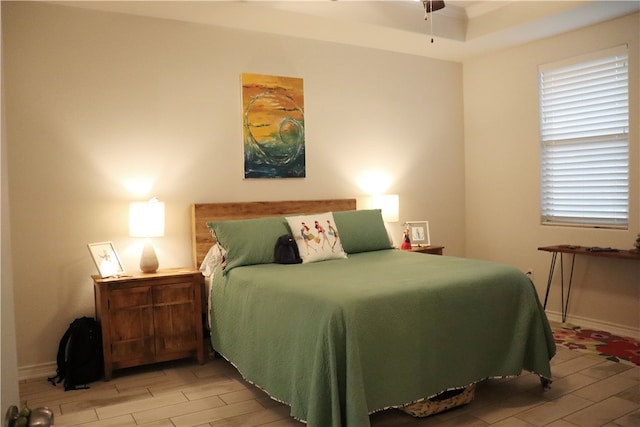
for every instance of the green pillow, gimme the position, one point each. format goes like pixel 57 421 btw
pixel 362 231
pixel 249 241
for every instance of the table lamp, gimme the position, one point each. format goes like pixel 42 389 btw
pixel 389 207
pixel 146 219
pixel 388 204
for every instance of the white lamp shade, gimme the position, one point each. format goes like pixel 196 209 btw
pixel 146 219
pixel 389 204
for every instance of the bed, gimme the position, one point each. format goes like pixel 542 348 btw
pixel 369 327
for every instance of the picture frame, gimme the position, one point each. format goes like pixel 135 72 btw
pixel 106 259
pixel 419 233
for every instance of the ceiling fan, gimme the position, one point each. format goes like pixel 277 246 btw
pixel 431 6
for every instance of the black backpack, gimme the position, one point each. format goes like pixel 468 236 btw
pixel 286 251
pixel 80 359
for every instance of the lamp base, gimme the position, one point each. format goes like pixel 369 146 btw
pixel 149 260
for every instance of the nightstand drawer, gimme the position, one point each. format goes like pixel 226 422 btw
pixel 130 298
pixel 173 293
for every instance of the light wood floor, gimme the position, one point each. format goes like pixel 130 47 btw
pixel 587 391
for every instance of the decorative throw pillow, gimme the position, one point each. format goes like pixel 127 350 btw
pixel 362 231
pixel 317 237
pixel 249 241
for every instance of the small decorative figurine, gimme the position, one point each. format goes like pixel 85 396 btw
pixel 637 244
pixel 406 242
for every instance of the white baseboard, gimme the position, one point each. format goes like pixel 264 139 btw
pixel 31 372
pixel 599 325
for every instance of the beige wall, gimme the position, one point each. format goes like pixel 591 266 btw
pixel 502 176
pixel 95 101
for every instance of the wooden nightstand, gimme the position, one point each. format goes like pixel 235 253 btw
pixel 148 318
pixel 433 250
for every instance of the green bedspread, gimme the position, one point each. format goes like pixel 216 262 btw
pixel 337 340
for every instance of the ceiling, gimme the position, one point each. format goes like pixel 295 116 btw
pixel 461 30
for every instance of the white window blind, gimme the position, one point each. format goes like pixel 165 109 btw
pixel 584 128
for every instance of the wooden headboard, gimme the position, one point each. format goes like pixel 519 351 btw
pixel 202 213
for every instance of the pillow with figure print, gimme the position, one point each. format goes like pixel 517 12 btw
pixel 317 237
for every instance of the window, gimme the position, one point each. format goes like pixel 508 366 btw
pixel 584 131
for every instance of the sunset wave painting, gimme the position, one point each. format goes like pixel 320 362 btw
pixel 273 126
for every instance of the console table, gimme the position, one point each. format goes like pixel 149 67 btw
pixel 574 250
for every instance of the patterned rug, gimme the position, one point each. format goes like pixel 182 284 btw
pixel 609 346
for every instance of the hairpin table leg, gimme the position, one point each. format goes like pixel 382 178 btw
pixel 554 255
pixel 564 303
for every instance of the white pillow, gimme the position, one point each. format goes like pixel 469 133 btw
pixel 317 237
pixel 215 257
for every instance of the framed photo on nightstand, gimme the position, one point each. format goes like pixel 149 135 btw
pixel 419 233
pixel 106 259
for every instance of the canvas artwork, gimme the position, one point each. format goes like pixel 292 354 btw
pixel 273 126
